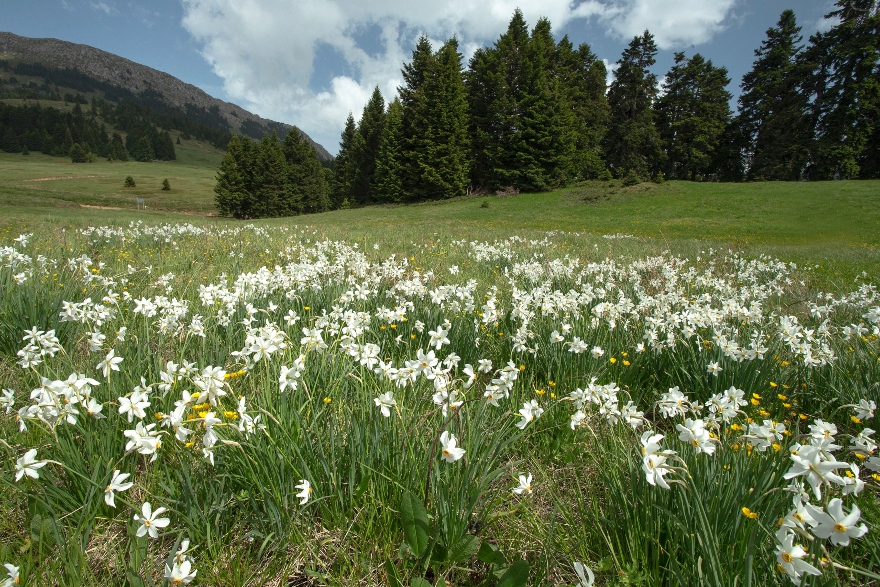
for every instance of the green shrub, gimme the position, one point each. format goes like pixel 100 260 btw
pixel 129 182
pixel 166 185
pixel 632 178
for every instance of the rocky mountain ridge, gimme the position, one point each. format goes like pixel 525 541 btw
pixel 137 78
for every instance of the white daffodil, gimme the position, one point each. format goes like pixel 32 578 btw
pixel 790 556
pixel 694 433
pixel 117 483
pixel 585 575
pixel 654 467
pixel 150 522
pixel 450 452
pixel 13 579
pixel 836 524
pixel 110 363
pixel 810 461
pixel 525 485
pixel 181 573
pixel 529 412
pixel 28 465
pixel 305 491
pixel 714 368
pixel 385 402
pixel 865 409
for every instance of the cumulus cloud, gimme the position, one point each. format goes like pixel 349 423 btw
pixel 265 50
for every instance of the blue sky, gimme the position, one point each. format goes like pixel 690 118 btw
pixel 311 62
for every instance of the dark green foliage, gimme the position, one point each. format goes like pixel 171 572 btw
pixel 774 116
pixel 143 150
pixel 363 157
pixel 345 171
pixel 269 178
pixel 388 181
pixel 25 151
pixel 846 93
pixel 308 187
pixel 116 150
pixel 166 185
pixel 78 154
pixel 692 116
pixel 129 182
pixel 631 178
pixel 633 143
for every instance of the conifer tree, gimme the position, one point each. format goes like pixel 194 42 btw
pixel 415 116
pixel 632 143
pixel 443 161
pixel 692 115
pixel 308 188
pixel 271 186
pixel 345 170
pixel 582 78
pixel 116 150
pixel 370 128
pixel 484 82
pixel 232 193
pixel 846 69
pixel 388 181
pixel 143 150
pixel 774 106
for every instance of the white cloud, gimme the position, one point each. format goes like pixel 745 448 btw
pixel 104 7
pixel 265 50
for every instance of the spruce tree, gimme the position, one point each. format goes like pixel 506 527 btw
pixel 632 143
pixel 582 78
pixel 305 175
pixel 388 181
pixel 692 115
pixel 370 128
pixel 271 186
pixel 416 115
pixel 846 67
pixel 774 105
pixel 484 82
pixel 443 160
pixel 232 190
pixel 143 150
pixel 345 168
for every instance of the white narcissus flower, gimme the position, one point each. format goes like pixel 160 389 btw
pixel 694 433
pixel 865 409
pixel 836 524
pixel 790 556
pixel 110 363
pixel 13 579
pixel 585 580
pixel 306 491
pixel 181 573
pixel 714 368
pixel 525 485
pixel 117 483
pixel 529 412
pixel 810 461
pixel 385 402
pixel 150 522
pixel 450 452
pixel 28 465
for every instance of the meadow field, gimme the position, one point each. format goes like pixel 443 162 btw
pixel 658 385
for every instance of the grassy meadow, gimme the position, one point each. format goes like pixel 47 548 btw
pixel 657 385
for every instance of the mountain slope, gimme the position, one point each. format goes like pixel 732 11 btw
pixel 139 80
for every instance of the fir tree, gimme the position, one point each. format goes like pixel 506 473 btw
pixel 305 175
pixel 582 79
pixel 271 187
pixel 116 151
pixel 774 106
pixel 416 115
pixel 232 192
pixel 846 68
pixel 484 82
pixel 345 170
pixel 692 115
pixel 143 150
pixel 370 129
pixel 388 181
pixel 632 143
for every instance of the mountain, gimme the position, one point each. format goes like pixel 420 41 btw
pixel 68 65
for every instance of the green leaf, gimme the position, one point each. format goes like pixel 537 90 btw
pixel 466 547
pixel 439 553
pixel 490 554
pixel 419 582
pixel 516 576
pixel 415 524
pixel 394 579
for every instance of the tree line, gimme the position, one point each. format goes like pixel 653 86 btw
pixel 534 114
pixel 79 135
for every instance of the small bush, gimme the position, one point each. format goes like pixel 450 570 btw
pixel 632 178
pixel 129 182
pixel 507 192
pixel 345 205
pixel 659 178
pixel 605 175
pixel 24 150
pixel 485 204
pixel 78 154
pixel 166 185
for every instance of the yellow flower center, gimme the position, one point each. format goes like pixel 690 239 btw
pixel 787 557
pixel 839 528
